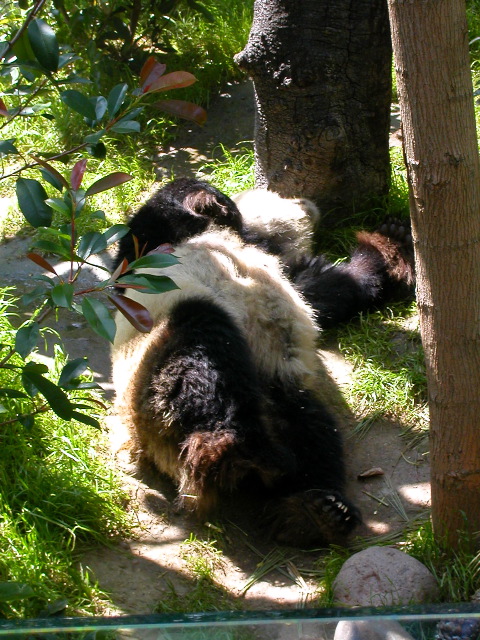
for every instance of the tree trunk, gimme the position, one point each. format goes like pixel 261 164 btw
pixel 430 42
pixel 322 76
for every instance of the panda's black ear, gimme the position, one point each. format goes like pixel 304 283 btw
pixel 214 204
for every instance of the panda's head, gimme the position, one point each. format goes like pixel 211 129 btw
pixel 176 212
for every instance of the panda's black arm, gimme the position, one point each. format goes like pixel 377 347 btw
pixel 309 507
pixel 380 270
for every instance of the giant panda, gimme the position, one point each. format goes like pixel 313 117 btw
pixel 225 392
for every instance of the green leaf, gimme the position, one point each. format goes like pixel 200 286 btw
pixel 73 369
pixel 86 419
pixel 100 105
pixel 79 103
pixel 116 98
pixel 131 115
pixel 44 44
pixel 12 393
pixel 50 174
pixel 126 126
pixel 7 147
pixel 15 591
pixel 99 318
pixel 93 138
pixel 59 205
pixel 66 58
pixel 154 261
pixel 33 296
pixel 31 198
pixel 97 150
pixel 23 50
pixel 26 339
pixel 51 179
pixel 56 397
pixel 113 234
pixel 91 242
pixel 148 283
pixel 62 295
pixel 26 421
pixel 108 182
pixel 49 246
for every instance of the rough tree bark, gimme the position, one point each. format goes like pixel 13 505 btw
pixel 322 77
pixel 430 42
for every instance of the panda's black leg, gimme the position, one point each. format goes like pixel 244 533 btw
pixel 379 270
pixel 204 394
pixel 309 507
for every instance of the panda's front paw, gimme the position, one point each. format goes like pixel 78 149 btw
pixel 314 517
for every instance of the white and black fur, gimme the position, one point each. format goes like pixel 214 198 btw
pixel 224 392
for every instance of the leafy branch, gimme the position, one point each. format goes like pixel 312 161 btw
pixel 34 56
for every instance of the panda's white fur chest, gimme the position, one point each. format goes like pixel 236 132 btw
pixel 248 284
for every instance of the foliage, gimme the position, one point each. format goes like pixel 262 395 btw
pixel 36 67
pixel 55 489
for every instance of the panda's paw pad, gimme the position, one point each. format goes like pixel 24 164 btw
pixel 398 230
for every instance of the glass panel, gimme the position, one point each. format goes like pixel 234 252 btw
pixel 429 622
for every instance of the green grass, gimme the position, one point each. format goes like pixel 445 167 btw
pixel 388 368
pixel 457 572
pixel 232 171
pixel 59 492
pixel 202 591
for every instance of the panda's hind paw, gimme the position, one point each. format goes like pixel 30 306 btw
pixel 397 230
pixel 315 517
pixel 393 242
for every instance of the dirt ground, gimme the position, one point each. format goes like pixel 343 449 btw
pixel 138 573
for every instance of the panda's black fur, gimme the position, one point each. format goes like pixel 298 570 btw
pixel 225 390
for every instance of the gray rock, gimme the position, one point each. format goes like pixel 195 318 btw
pixel 382 576
pixel 370 630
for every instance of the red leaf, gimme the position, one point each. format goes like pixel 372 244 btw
pixel 174 80
pixel 34 257
pixel 52 170
pixel 182 109
pixel 76 176
pixel 151 70
pixel 3 108
pixel 107 182
pixel 134 312
pixel 122 267
pixel 136 246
